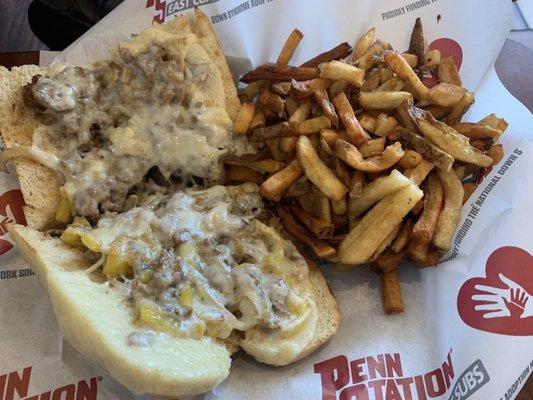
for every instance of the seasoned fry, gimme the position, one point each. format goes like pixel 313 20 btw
pixel 238 173
pixel 445 94
pixel 291 105
pixel 329 136
pixel 451 211
pixel 356 184
pixel 291 128
pixel 338 70
pixel 351 156
pixel 377 190
pixel 402 240
pixel 369 58
pixel 317 172
pixel 453 143
pixel 410 59
pixel 321 204
pixel 494 122
pixel 313 125
pixel 339 207
pixel 481 144
pixel 385 74
pixel 288 144
pixel 389 260
pixel 302 112
pixel 268 166
pixel 477 131
pixel 438 112
pixel 337 87
pixel 410 159
pixel 391 294
pixel 289 47
pixel 281 88
pixel 382 100
pixel 373 148
pixel 372 81
pixel 404 114
pixel 417 209
pixel 321 228
pixel 399 66
pixel 305 89
pixel 342 171
pixel 275 73
pixel 419 173
pixel 246 159
pixel 320 248
pixel 368 122
pixel 427 222
pixel 384 125
pixel 354 130
pixel 428 150
pixel 496 153
pixel 394 84
pixel 363 44
pixel 432 59
pixel 253 89
pixel 299 188
pixel 468 188
pixel 244 119
pixel 377 224
pixel 417 44
pixel 322 98
pixel 272 101
pixel 258 120
pixel 447 71
pixel 460 108
pixel 339 52
pixel 281 180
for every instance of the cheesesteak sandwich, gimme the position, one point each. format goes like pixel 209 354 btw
pixel 155 270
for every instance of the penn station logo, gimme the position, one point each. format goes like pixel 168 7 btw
pixel 163 9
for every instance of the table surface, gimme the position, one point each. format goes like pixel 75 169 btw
pixel 13 24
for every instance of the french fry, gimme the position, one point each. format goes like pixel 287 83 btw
pixel 244 118
pixel 394 84
pixel 427 222
pixel 446 94
pixel 317 172
pixel 272 101
pixel 322 98
pixel 385 75
pixel 494 122
pixel 428 150
pixel 351 156
pixel 320 248
pixel 453 143
pixel 389 260
pixel 321 228
pixel 338 70
pixel 417 209
pixel 339 52
pixel 276 73
pixel 291 105
pixel 337 87
pixel 368 122
pixel 363 44
pixel 384 125
pixel 373 148
pixel 390 293
pixel 281 180
pixel 268 166
pixel 477 131
pixel 246 159
pixel 253 89
pixel 460 108
pixel 299 188
pixel 460 170
pixel 329 136
pixel 481 144
pixel 376 191
pixel 339 206
pixel 401 68
pixel 281 88
pixel 387 242
pixel 342 171
pixel 369 58
pixel 372 81
pixel 410 59
pixel 410 159
pixel 341 222
pixel 468 188
pixel 382 100
pixel 354 130
pixel 288 144
pixel 432 59
pixel 258 120
pixel 313 125
pixel 356 184
pixel 305 89
pixel 447 71
pixel 289 47
pixel 438 112
pixel 291 128
pixel 302 112
pixel 239 173
pixel 403 238
pixel 451 211
pixel 419 173
pixel 321 204
pixel 417 44
pixel 376 225
pixel 496 153
pixel 404 115
pixel 418 252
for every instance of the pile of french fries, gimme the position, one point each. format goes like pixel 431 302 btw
pixel 360 160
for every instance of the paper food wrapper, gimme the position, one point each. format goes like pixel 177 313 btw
pixel 467 331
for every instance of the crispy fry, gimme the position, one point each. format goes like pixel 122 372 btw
pixel 275 73
pixel 410 159
pixel 419 173
pixel 403 238
pixel 342 171
pixel 302 112
pixel 418 252
pixel 351 156
pixel 432 59
pixel 410 59
pixel 363 44
pixel 384 125
pixel 268 166
pixel 460 108
pixel 445 94
pixel 313 125
pixel 417 209
pixel 451 211
pixel 272 101
pixel 238 173
pixel 362 241
pixel 387 242
pixel 291 105
pixel 394 84
pixel 468 188
pixel 453 143
pixel 399 66
pixel 373 148
pixel 243 97
pixel 389 260
pixel 417 44
pixel 438 112
pixel 477 131
pixel 246 159
pixel 329 136
pixel 427 222
pixel 258 120
pixel 253 89
pixel 356 184
pixel 289 47
pixel 494 122
pixel 341 222
pixel 317 172
pixel 339 207
pixel 371 82
pixel 385 74
pixel 404 115
pixel 281 88
pixel 354 130
pixel 376 191
pixel 320 248
pixel 322 98
pixel 382 100
pixel 337 87
pixel 339 52
pixel 428 150
pixel 321 204
pixel 321 228
pixel 338 70
pixel 281 180
pixel 291 128
pixel 299 188
pixel 244 119
pixel 368 122
pixel 448 73
pixel 369 58
pixel 288 144
pixel 305 89
pixel 481 144
pixel 391 294
pixel 496 153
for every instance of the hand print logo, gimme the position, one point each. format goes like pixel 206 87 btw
pixel 501 302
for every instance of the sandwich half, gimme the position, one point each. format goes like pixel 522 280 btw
pixel 155 270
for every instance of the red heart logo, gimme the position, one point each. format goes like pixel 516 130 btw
pixel 11 203
pixel 448 48
pixel 500 302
